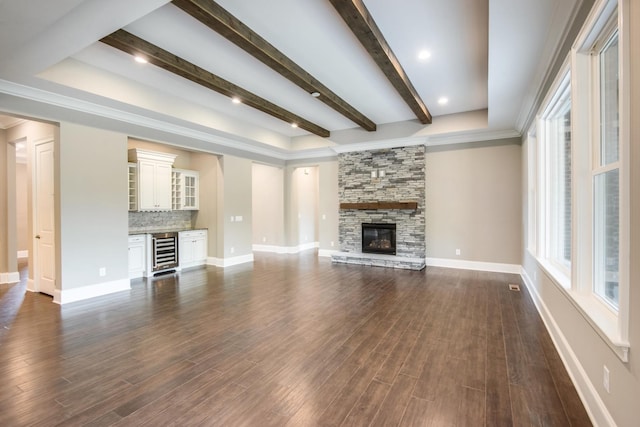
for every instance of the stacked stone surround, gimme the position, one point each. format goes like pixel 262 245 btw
pixel 404 181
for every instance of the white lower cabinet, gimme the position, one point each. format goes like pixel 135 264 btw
pixel 192 248
pixel 137 255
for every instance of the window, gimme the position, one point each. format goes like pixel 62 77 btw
pixel 582 187
pixel 606 177
pixel 556 170
pixel 532 205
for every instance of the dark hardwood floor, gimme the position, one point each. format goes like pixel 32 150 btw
pixel 287 341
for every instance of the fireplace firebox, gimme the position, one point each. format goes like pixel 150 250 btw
pixel 379 238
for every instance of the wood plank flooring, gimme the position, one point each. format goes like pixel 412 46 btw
pixel 291 340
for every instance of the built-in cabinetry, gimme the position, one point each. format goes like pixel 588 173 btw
pixel 137 255
pixel 153 179
pixel 133 192
pixel 154 185
pixel 192 251
pixel 184 189
pixel 192 248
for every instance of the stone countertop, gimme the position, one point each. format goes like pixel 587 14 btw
pixel 163 230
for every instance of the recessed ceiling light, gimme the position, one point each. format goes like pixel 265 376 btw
pixel 315 94
pixel 235 100
pixel 424 54
pixel 443 100
pixel 294 125
pixel 140 59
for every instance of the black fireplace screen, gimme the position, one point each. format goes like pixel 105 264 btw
pixel 379 238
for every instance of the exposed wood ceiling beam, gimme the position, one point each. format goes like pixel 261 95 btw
pixel 218 19
pixel 358 18
pixel 157 56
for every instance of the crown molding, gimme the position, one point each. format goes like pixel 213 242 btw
pixel 547 70
pixel 11 122
pixel 380 145
pixel 431 140
pixel 311 154
pixel 67 102
pixel 473 136
pixel 219 142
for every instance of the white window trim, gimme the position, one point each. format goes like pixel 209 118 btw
pixel 532 191
pixel 610 324
pixel 551 104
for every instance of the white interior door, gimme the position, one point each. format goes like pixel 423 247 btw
pixel 44 244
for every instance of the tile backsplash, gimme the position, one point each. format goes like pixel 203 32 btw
pixel 143 222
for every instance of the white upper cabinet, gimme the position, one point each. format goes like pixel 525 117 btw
pixel 153 179
pixel 185 189
pixel 133 191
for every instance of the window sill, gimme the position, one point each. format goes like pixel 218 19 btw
pixel 603 321
pixel 559 277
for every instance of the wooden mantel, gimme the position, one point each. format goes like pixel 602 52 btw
pixel 379 205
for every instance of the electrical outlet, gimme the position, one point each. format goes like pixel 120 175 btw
pixel 102 272
pixel 605 378
pixel 457 251
pixel 331 244
pixel 239 218
pixel 233 218
pixel 232 250
pixel 264 239
pixel 324 216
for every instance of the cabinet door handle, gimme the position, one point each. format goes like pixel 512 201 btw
pixel 37 236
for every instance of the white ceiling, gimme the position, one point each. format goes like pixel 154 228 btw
pixel 487 57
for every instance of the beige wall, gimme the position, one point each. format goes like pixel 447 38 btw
pixel 305 192
pixel 207 216
pixel 268 205
pixel 290 204
pixel 473 202
pixel 21 207
pixel 93 206
pixel 29 132
pixel 328 205
pixel 318 208
pixel 8 262
pixel 234 185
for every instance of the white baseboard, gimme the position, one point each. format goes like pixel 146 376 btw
pixel 300 248
pixel 84 292
pixel 228 262
pixel 269 248
pixel 23 254
pixel 591 400
pixel 286 249
pixel 307 246
pixel 10 277
pixel 31 285
pixel 327 252
pixel 474 265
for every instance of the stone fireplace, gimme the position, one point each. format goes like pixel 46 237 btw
pixel 383 187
